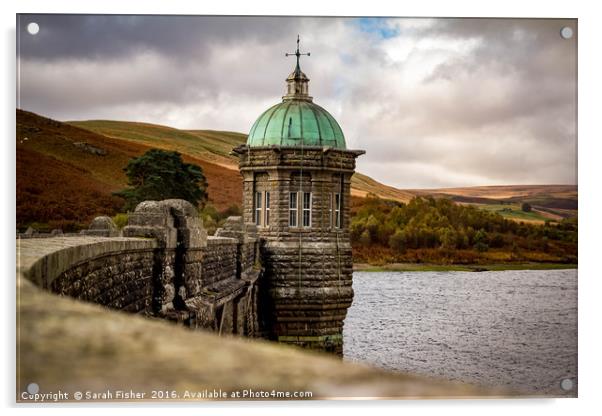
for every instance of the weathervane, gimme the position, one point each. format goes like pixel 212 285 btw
pixel 297 53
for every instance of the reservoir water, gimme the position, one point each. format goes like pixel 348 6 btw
pixel 516 329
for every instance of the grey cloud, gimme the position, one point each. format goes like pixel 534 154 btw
pixel 110 36
pixel 499 111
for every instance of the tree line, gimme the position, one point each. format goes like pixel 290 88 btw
pixel 439 223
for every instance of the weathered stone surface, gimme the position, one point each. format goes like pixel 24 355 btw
pixel 181 207
pixel 44 261
pixel 171 221
pixel 102 226
pixel 102 223
pixel 307 283
pixel 180 274
pixel 247 239
pixel 152 219
pixel 189 225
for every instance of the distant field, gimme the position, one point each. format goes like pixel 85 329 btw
pixel 361 185
pixel 514 212
pixel 548 202
pixel 543 192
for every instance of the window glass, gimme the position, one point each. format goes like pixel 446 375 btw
pixel 307 209
pixel 292 209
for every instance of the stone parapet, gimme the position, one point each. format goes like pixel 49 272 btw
pixel 165 266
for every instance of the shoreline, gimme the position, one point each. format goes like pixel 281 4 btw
pixel 428 267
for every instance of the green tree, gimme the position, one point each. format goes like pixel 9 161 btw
pixel 480 236
pixel 431 223
pixel 448 239
pixel 480 241
pixel 356 228
pixel 525 207
pixel 160 174
pixel 397 241
pixel 372 227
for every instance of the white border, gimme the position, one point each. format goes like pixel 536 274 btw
pixel 590 94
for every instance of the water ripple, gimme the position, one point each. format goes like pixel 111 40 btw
pixel 515 328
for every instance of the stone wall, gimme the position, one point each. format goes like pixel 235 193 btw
pixel 114 272
pixel 119 280
pixel 165 266
pixel 309 288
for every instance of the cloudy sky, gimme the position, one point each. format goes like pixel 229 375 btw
pixel 434 102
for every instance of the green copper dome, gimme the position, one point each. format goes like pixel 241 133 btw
pixel 296 122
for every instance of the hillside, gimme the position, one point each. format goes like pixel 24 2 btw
pixel 66 174
pixel 208 145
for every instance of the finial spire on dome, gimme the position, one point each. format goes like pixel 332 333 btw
pixel 297 88
pixel 298 55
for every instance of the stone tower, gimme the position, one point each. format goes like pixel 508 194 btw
pixel 297 176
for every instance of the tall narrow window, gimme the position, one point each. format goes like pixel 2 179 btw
pixel 330 210
pixel 258 208
pixel 266 220
pixel 292 209
pixel 307 209
pixel 337 210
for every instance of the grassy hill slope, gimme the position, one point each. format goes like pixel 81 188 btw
pixel 208 145
pixel 66 174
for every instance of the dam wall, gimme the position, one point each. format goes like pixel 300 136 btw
pixel 165 265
